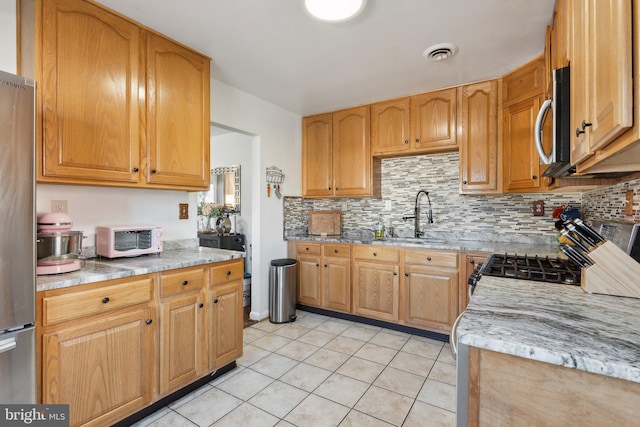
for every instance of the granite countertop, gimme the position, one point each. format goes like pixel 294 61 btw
pixel 558 324
pixel 445 242
pixel 100 269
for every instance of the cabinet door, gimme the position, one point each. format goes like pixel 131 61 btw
pixel 609 70
pixel 182 341
pixel 352 152
pixel 521 162
pixel 433 120
pixel 580 141
pixel 376 290
pixel 478 138
pixel 102 368
pixel 309 290
pixel 336 284
pixel 431 297
pixel 390 127
pixel 225 324
pixel 88 94
pixel 317 156
pixel 178 120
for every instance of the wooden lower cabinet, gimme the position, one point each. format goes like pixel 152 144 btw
pixel 225 313
pixel 111 348
pixel 506 390
pixel 102 364
pixel 376 289
pixel 430 289
pixel 324 275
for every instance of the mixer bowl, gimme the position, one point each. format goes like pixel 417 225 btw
pixel 55 248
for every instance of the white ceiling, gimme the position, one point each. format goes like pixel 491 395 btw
pixel 272 49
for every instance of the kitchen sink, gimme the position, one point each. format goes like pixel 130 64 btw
pixel 414 240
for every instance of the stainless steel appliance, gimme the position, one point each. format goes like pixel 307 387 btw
pixel 18 242
pixel 626 235
pixel 559 160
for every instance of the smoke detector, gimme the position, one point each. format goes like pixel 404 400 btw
pixel 440 52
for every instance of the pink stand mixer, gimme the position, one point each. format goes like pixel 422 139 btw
pixel 58 247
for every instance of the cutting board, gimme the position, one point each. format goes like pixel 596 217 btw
pixel 325 222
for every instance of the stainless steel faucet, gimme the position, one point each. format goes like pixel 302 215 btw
pixel 416 216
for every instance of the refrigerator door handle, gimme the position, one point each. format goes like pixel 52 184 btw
pixel 8 344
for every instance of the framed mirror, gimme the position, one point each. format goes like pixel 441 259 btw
pixel 224 190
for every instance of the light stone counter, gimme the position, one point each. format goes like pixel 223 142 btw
pixel 100 269
pixel 558 324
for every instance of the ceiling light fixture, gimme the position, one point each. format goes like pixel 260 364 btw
pixel 334 10
pixel 440 52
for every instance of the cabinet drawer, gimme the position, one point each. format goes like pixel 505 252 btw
pixel 336 251
pixel 376 253
pixel 431 258
pixel 73 305
pixel 227 272
pixel 181 281
pixel 308 248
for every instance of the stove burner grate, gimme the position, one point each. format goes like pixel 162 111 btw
pixel 542 269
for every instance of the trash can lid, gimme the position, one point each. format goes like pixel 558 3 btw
pixel 282 262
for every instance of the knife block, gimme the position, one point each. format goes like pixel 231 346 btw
pixel 613 272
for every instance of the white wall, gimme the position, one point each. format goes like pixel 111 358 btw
pixel 278 143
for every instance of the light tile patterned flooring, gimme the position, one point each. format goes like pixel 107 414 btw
pixel 322 371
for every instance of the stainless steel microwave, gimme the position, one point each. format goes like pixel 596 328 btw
pixel 558 108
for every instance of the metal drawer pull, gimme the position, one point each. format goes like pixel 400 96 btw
pixel 185 283
pixel 148 321
pixel 105 300
pixel 8 344
pixel 428 258
pixel 229 273
pixel 215 301
pixel 201 305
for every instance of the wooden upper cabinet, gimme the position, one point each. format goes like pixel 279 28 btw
pixel 336 155
pixel 88 94
pixel 117 105
pixel 352 152
pixel 177 114
pixel 579 84
pixel 317 155
pixel 391 127
pixel 433 120
pixel 478 138
pixel 609 70
pixel 524 82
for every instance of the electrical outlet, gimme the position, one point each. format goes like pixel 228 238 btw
pixel 60 206
pixel 387 205
pixel 184 211
pixel 345 206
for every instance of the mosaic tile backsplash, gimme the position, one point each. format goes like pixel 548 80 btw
pixel 609 202
pixel 504 217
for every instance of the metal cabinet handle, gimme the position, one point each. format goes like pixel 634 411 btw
pixel 201 305
pixel 317 265
pixel 471 262
pixel 418 140
pixel 406 141
pixel 578 132
pixel 585 124
pixel 8 344
pixel 325 266
pixel 534 177
pixel 375 254
pixel 406 274
pixel 428 258
pixel 215 301
pixel 395 273
pixel 105 300
pixel 153 171
pixel 229 273
pixel 335 251
pixel 136 169
pixel 148 321
pixel 464 182
pixel 185 283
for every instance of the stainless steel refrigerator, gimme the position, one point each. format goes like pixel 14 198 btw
pixel 17 240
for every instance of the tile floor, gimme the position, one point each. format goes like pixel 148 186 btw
pixel 321 371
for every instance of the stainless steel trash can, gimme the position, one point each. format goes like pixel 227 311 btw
pixel 282 290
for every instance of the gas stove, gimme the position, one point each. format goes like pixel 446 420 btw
pixel 542 269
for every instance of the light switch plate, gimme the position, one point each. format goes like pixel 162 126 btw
pixel 184 211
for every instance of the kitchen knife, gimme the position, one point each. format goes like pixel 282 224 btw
pixel 584 237
pixel 568 235
pixel 588 230
pixel 584 260
pixel 569 255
